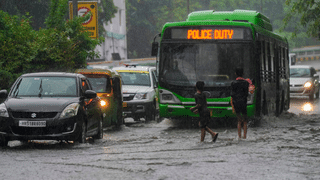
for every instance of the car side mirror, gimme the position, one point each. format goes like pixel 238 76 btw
pixel 3 94
pixel 90 94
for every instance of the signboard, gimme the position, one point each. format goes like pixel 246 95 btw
pixel 84 7
pixel 208 33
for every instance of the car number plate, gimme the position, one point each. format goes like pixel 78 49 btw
pixel 32 123
pixel 124 104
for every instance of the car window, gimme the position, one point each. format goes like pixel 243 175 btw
pixel 300 72
pixel 45 86
pixel 137 78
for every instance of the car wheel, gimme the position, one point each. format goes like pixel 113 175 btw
pixel 120 119
pixel 3 141
pixel 151 114
pixel 82 136
pixel 100 131
pixel 311 96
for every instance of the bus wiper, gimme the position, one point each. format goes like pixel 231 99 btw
pixel 40 89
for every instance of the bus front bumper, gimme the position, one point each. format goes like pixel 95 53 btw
pixel 168 110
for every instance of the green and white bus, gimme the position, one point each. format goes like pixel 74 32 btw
pixel 208 46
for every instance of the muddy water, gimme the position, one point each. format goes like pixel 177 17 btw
pixel 285 147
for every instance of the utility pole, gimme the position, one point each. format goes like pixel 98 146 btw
pixel 75 8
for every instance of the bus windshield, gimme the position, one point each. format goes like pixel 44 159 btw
pixel 185 64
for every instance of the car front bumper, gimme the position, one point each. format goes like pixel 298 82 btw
pixel 55 129
pixel 137 109
pixel 300 91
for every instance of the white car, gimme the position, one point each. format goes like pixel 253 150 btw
pixel 140 91
pixel 304 81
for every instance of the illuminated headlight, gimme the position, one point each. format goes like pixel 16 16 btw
pixel 307 84
pixel 71 110
pixel 141 96
pixel 250 98
pixel 103 103
pixel 3 111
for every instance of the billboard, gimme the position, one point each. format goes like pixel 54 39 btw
pixel 84 7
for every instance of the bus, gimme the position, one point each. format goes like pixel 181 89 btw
pixel 208 46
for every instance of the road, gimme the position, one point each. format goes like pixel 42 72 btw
pixel 285 147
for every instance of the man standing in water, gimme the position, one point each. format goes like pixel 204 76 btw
pixel 239 94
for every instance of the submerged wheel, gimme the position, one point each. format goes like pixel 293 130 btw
pixel 311 96
pixel 3 141
pixel 82 136
pixel 151 114
pixel 100 130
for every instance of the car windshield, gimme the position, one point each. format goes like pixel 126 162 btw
pixel 137 78
pixel 300 72
pixel 45 87
pixel 99 83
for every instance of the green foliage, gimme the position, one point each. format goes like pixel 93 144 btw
pixel 62 46
pixel 309 12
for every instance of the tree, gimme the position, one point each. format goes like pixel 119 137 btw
pixel 62 46
pixel 310 15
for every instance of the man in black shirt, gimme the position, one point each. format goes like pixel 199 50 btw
pixel 239 94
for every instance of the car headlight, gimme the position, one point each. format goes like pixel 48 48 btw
pixel 70 110
pixel 103 103
pixel 307 84
pixel 141 96
pixel 3 111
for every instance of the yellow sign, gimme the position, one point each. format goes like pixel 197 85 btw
pixel 84 7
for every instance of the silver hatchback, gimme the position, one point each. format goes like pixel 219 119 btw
pixel 304 81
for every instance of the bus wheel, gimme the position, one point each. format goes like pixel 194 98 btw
pixel 282 104
pixel 264 107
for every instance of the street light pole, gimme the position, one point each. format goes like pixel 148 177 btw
pixel 75 8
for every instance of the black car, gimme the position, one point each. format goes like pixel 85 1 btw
pixel 50 106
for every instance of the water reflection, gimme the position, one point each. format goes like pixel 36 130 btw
pixel 302 105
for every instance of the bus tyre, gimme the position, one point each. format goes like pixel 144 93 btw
pixel 100 130
pixel 82 136
pixel 3 141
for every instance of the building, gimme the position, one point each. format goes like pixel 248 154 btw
pixel 115 45
pixel 307 53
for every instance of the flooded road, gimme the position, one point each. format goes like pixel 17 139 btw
pixel 285 147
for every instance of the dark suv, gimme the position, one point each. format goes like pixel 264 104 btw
pixel 50 106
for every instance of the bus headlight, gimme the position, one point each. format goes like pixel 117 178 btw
pixel 166 97
pixel 307 84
